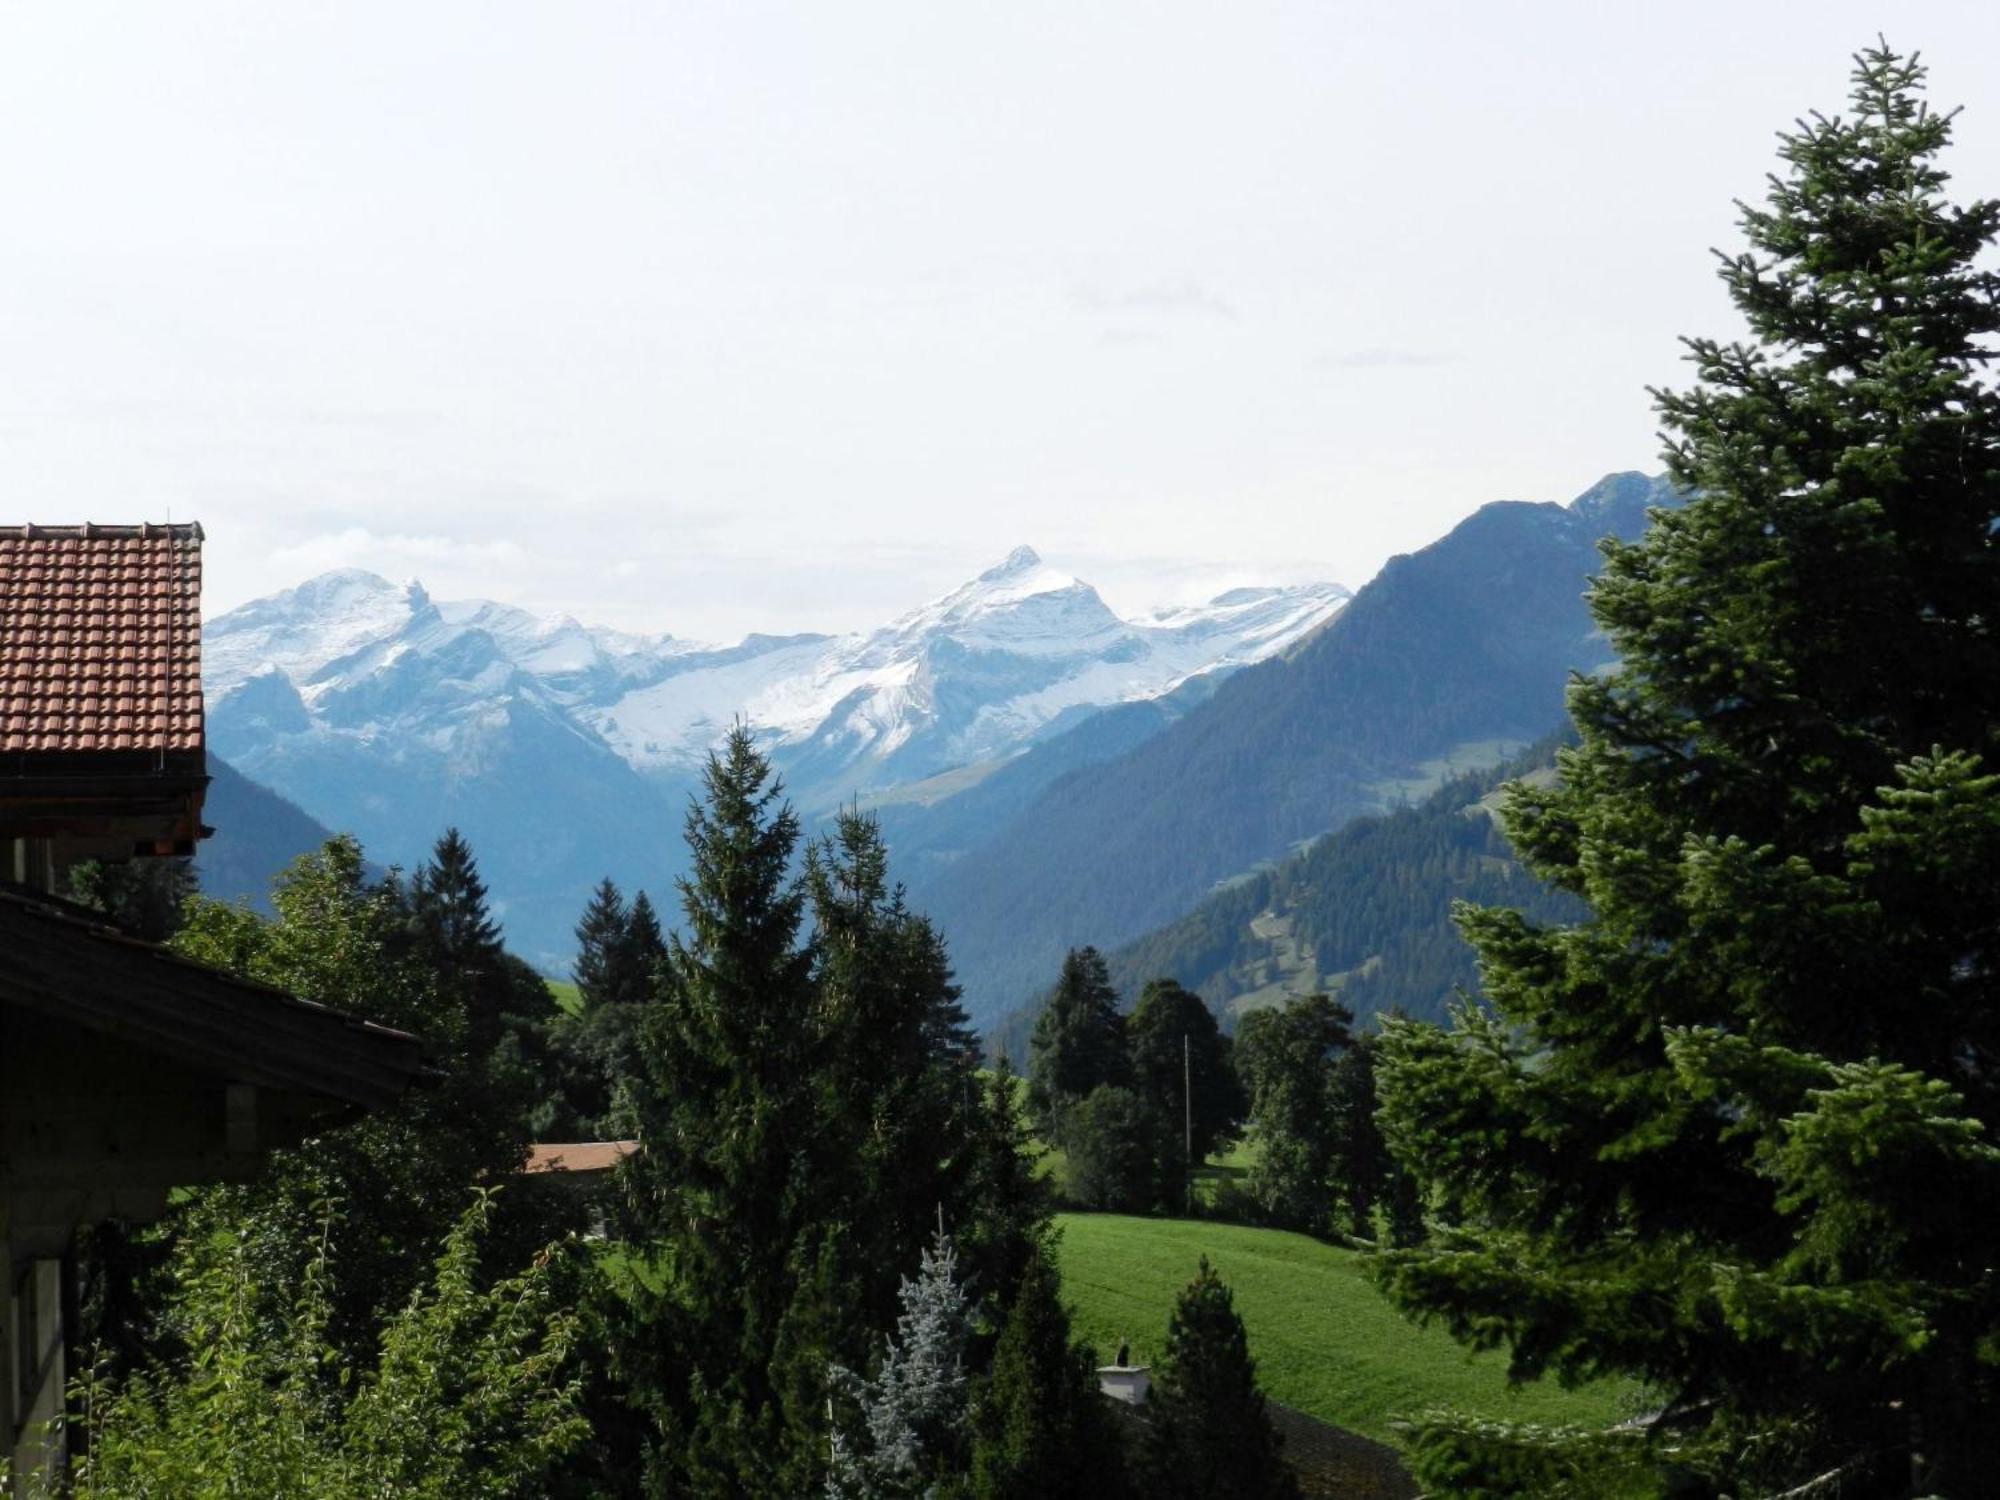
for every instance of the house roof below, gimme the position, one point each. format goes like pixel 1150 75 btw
pixel 577 1156
pixel 64 962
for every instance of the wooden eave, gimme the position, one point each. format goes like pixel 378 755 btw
pixel 62 962
pixel 127 801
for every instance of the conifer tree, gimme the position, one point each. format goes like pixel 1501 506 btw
pixel 1006 1212
pixel 725 1108
pixel 621 957
pixel 912 1410
pixel 601 938
pixel 1078 1043
pixel 1734 1135
pixel 890 1092
pixel 450 900
pixel 895 1056
pixel 456 926
pixel 1040 1428
pixel 1210 1433
pixel 640 952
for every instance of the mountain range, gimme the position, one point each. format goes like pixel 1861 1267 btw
pixel 566 752
pixel 1047 773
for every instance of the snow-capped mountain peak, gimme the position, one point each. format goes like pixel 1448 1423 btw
pixel 1021 560
pixel 1021 604
pixel 302 630
pixel 973 675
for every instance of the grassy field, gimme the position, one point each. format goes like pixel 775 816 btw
pixel 1325 1341
pixel 1229 1170
pixel 566 997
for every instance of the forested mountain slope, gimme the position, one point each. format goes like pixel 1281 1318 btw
pixel 1364 914
pixel 257 833
pixel 1462 647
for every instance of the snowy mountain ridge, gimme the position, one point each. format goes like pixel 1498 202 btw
pixel 978 674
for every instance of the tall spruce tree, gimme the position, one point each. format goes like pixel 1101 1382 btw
pixel 890 1059
pixel 1078 1043
pixel 456 926
pixel 602 934
pixel 1734 1134
pixel 725 1108
pixel 1210 1432
pixel 1006 1213
pixel 896 1060
pixel 641 953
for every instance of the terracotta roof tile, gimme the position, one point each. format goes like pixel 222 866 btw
pixel 100 638
pixel 577 1156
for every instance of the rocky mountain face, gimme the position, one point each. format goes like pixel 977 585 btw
pixel 566 752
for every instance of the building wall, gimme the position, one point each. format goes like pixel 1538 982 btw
pixel 90 1128
pixel 37 1373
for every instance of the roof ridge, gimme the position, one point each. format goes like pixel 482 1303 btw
pixel 94 530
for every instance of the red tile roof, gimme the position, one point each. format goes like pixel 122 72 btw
pixel 100 638
pixel 577 1156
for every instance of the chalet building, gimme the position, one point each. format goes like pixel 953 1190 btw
pixel 125 1070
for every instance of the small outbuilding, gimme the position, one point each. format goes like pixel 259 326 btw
pixel 580 1167
pixel 1125 1381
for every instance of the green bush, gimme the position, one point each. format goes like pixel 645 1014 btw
pixel 473 1393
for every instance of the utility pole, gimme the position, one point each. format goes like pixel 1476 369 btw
pixel 1187 1120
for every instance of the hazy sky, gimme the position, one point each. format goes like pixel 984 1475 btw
pixel 718 317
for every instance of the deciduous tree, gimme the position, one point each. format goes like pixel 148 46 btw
pixel 1181 1070
pixel 1286 1056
